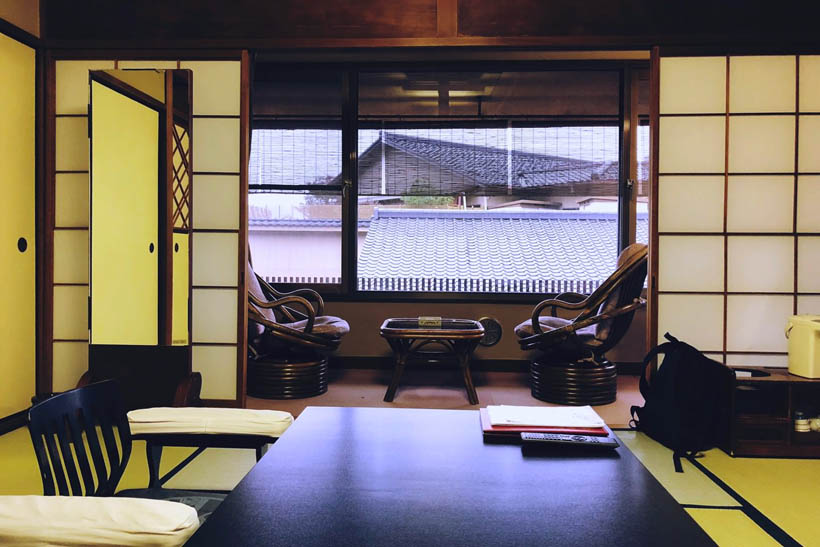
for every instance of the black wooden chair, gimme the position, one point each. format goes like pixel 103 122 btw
pixel 82 441
pixel 572 368
pixel 289 338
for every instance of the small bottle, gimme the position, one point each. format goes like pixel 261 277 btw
pixel 801 422
pixel 814 423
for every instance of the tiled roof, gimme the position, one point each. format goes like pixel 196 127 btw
pixel 490 251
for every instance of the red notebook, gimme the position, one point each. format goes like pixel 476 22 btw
pixel 508 432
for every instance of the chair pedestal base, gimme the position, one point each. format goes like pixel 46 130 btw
pixel 584 382
pixel 293 377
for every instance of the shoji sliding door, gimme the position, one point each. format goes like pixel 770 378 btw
pixel 738 180
pixel 17 248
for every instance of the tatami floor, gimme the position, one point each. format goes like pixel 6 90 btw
pixel 738 501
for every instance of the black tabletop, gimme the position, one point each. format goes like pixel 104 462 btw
pixel 382 476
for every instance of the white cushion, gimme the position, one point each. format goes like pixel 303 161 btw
pixel 67 520
pixel 214 421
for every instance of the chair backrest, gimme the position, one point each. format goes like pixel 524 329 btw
pixel 255 290
pixel 82 440
pixel 618 290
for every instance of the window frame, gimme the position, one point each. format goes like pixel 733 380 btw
pixel 347 291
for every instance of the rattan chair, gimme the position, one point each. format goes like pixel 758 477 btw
pixel 572 367
pixel 288 339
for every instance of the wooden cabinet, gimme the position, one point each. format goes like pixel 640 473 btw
pixel 762 414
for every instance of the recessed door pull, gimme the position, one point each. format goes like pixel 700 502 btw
pixel 22 244
pixel 151 248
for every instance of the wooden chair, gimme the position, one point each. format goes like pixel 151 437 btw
pixel 573 368
pixel 82 441
pixel 288 339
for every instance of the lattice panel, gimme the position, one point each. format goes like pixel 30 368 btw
pixel 181 166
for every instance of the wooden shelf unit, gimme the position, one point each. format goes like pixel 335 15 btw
pixel 762 414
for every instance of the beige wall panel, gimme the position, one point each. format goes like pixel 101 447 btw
pixel 215 259
pixel 70 256
pixel 808 145
pixel 760 204
pixel 809 83
pixel 808 264
pixel 808 305
pixel 761 144
pixel 216 202
pixel 70 362
pixel 808 204
pixel 690 263
pixel 216 87
pixel 71 78
pixel 694 318
pixel 24 14
pixel 147 64
pixel 692 145
pixel 760 264
pixel 762 83
pixel 755 322
pixel 756 360
pixel 216 145
pixel 693 85
pixel 71 312
pixel 690 204
pixel 71 144
pixel 214 315
pixel 71 200
pixel 218 367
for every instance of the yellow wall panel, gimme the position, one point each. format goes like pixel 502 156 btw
pixel 70 256
pixel 690 263
pixel 218 367
pixel 808 145
pixel 810 83
pixel 690 204
pixel 216 87
pixel 71 312
pixel 808 264
pixel 756 322
pixel 694 318
pixel 214 315
pixel 216 202
pixel 70 362
pixel 71 200
pixel 71 146
pixel 760 204
pixel 179 329
pixel 216 144
pixel 761 144
pixel 808 203
pixel 72 84
pixel 762 83
pixel 215 259
pixel 760 264
pixel 17 273
pixel 124 287
pixel 692 85
pixel 692 144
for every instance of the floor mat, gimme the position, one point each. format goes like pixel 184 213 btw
pixel 731 528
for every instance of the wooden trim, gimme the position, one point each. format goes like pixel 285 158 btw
pixel 215 287
pixel 796 176
pixel 103 78
pixel 45 285
pixel 739 293
pixel 216 116
pixel 43 379
pixel 726 216
pixel 229 173
pixel 60 284
pixel 242 262
pixel 165 235
pixel 446 18
pixel 16 33
pixel 222 403
pixel 216 344
pixel 214 231
pixel 71 228
pixel 654 154
pixel 71 52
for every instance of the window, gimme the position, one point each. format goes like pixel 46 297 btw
pixel 467 181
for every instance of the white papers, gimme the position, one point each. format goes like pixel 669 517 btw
pixel 552 416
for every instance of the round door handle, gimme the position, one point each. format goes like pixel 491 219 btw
pixel 22 244
pixel 151 248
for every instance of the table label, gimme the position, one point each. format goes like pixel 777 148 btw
pixel 429 321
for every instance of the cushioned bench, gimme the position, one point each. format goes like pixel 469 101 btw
pixel 203 428
pixel 78 520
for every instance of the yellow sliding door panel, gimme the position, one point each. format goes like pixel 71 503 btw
pixel 17 274
pixel 124 221
pixel 179 329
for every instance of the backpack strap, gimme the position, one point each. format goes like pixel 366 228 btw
pixel 644 385
pixel 676 456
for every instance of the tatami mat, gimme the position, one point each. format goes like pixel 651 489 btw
pixel 731 528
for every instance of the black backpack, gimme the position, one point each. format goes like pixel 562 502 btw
pixel 687 400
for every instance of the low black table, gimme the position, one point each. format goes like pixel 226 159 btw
pixel 391 477
pixel 407 338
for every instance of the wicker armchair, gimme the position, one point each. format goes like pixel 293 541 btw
pixel 573 368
